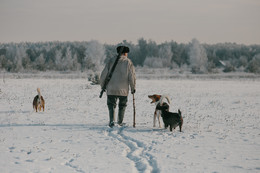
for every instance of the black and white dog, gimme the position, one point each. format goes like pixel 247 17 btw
pixel 169 118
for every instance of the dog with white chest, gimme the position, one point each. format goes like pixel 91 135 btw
pixel 158 99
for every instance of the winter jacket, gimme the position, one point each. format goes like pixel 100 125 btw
pixel 123 77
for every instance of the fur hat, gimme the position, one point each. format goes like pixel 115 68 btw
pixel 124 49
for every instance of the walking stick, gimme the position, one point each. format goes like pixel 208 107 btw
pixel 134 109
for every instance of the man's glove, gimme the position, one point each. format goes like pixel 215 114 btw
pixel 133 91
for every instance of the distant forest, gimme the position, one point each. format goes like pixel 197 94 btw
pixel 92 55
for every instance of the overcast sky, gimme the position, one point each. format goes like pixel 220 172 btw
pixel 111 21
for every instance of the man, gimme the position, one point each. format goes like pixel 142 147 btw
pixel 118 86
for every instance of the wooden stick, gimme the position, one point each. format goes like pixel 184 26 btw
pixel 134 110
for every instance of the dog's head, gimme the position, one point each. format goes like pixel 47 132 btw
pixel 163 107
pixel 155 98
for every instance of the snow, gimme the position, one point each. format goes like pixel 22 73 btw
pixel 220 130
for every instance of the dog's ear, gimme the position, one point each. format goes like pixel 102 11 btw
pixel 167 98
pixel 179 111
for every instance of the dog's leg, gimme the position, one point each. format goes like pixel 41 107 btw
pixel 180 126
pixel 154 118
pixel 159 115
pixel 171 128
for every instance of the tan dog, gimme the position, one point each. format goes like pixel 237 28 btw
pixel 38 101
pixel 158 99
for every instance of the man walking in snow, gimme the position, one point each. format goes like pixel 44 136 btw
pixel 118 86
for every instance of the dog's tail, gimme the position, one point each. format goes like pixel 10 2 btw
pixel 164 97
pixel 38 90
pixel 39 95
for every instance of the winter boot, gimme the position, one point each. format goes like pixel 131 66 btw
pixel 121 113
pixel 111 110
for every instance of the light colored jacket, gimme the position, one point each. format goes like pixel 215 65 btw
pixel 123 77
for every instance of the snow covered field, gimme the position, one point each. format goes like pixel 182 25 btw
pixel 221 130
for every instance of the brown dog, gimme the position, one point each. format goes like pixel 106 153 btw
pixel 38 101
pixel 158 99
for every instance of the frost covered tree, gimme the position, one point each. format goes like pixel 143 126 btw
pixel 18 57
pixel 164 59
pixel 27 64
pixel 242 61
pixel 18 60
pixel 39 63
pixel 2 62
pixel 76 65
pixel 254 64
pixel 57 60
pixel 94 56
pixel 198 57
pixel 67 61
pixel 153 62
pixel 165 54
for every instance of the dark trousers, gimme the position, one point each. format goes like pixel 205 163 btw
pixel 111 104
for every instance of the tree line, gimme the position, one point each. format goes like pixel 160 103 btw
pixel 92 55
